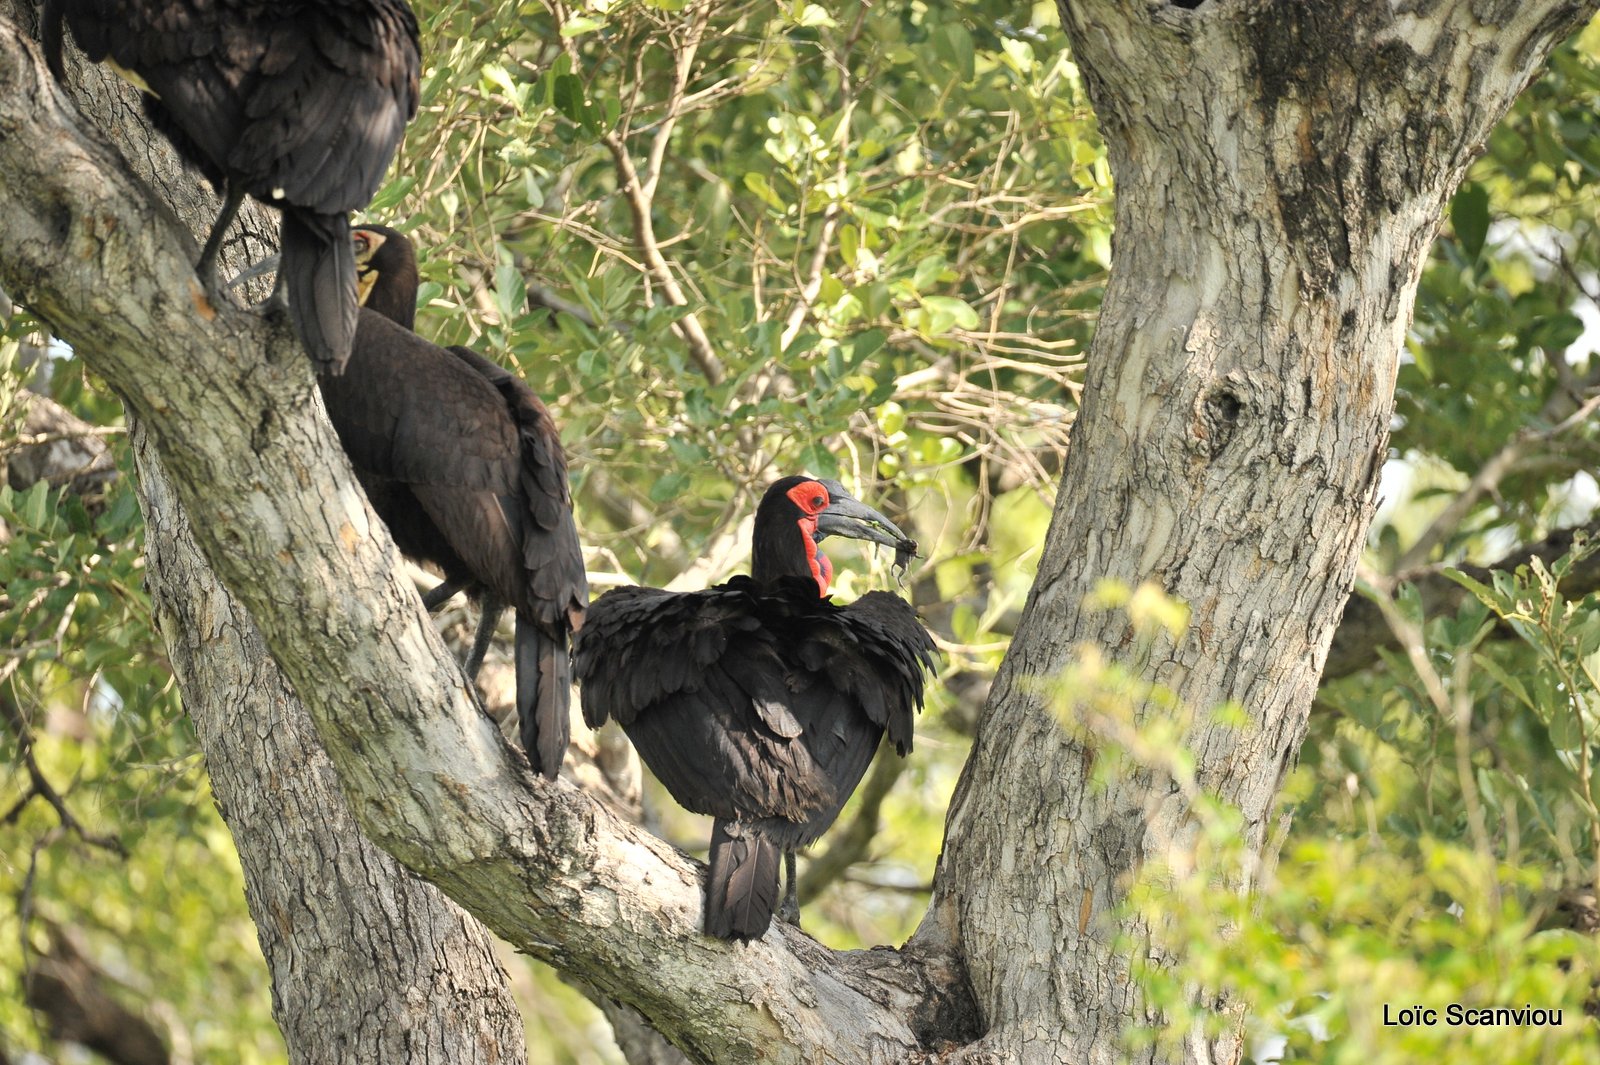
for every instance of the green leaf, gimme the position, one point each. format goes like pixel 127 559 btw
pixel 1469 217
pixel 947 312
pixel 578 25
pixel 1492 599
pixel 757 183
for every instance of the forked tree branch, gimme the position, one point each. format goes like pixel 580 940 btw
pixel 232 407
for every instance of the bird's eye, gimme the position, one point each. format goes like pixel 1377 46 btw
pixel 819 501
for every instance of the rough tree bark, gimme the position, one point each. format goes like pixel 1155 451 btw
pixel 228 400
pixel 368 962
pixel 1281 169
pixel 326 902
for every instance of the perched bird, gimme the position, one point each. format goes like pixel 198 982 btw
pixel 760 701
pixel 300 105
pixel 463 463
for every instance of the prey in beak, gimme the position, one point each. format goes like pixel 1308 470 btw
pixel 848 516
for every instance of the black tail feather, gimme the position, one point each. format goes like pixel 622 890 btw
pixel 50 33
pixel 319 274
pixel 544 692
pixel 742 887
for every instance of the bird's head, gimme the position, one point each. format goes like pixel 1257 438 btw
pixel 386 273
pixel 797 513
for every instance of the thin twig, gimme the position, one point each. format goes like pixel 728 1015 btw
pixel 1457 711
pixel 1486 481
pixel 850 845
pixel 25 440
pixel 639 198
pixel 39 786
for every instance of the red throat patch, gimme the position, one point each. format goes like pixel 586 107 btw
pixel 812 499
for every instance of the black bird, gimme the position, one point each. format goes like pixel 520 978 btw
pixel 298 104
pixel 761 702
pixel 464 464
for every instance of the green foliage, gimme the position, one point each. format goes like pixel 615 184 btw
pixel 1499 347
pixel 861 205
pixel 1341 931
pixel 1473 737
pixel 1405 880
pixel 84 679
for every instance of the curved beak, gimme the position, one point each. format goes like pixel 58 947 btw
pixel 848 516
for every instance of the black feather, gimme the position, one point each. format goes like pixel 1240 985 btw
pixel 760 703
pixel 543 683
pixel 299 105
pixel 742 883
pixel 442 441
pixel 319 271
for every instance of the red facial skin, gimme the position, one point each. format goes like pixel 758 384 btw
pixel 812 499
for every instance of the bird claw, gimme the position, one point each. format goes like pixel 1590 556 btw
pixel 274 306
pixel 789 912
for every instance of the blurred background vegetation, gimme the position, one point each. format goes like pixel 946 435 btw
pixel 728 242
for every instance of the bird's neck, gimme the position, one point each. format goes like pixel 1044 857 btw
pixel 789 550
pixel 396 300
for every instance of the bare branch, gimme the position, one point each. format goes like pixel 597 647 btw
pixel 850 844
pixel 39 786
pixel 1509 458
pixel 1362 630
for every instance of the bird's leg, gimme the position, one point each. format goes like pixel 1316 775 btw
pixel 277 301
pixel 492 608
pixel 790 909
pixel 443 592
pixel 207 266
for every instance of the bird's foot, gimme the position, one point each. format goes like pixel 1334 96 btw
pixel 206 271
pixel 789 911
pixel 274 306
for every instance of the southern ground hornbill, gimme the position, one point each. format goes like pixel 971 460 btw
pixel 463 463
pixel 760 701
pixel 300 105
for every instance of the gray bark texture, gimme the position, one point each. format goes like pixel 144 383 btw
pixel 1281 171
pixel 368 962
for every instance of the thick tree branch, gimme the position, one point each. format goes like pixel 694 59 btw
pixel 326 902
pixel 74 995
pixel 230 403
pixel 1363 631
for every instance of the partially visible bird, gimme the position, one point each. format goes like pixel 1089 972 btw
pixel 760 701
pixel 298 104
pixel 464 464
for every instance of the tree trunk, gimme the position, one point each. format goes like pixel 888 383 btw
pixel 1281 170
pixel 368 962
